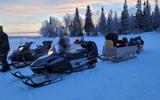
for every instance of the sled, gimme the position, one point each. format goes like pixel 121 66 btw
pixel 119 54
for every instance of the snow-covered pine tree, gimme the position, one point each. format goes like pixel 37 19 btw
pixel 139 16
pixel 76 27
pixel 156 16
pixel 102 24
pixel 124 22
pixel 147 23
pixel 115 22
pixel 110 22
pixel 89 26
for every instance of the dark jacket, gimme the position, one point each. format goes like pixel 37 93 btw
pixel 4 43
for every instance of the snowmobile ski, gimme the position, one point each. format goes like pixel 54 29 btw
pixel 19 75
pixel 30 82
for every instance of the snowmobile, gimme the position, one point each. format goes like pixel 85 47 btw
pixel 54 66
pixel 122 53
pixel 24 55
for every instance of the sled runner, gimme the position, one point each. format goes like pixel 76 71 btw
pixel 53 67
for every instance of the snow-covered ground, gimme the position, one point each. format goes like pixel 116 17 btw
pixel 137 79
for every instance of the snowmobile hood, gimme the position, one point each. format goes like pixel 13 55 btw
pixel 44 60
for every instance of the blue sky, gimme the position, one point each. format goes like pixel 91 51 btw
pixel 27 15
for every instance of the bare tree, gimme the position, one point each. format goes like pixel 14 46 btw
pixel 68 19
pixel 50 28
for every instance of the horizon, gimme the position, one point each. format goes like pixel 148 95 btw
pixel 27 16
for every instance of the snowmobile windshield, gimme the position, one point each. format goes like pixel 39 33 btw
pixel 54 46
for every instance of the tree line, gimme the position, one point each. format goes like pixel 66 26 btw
pixel 143 20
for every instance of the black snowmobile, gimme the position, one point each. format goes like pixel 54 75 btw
pixel 24 55
pixel 52 67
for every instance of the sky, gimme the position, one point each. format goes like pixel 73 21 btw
pixel 27 15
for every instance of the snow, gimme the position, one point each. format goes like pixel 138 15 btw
pixel 136 79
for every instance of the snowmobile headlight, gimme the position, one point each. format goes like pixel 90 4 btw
pixel 50 52
pixel 21 48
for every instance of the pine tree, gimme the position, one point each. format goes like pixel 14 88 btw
pixel 110 22
pixel 139 16
pixel 132 23
pixel 124 25
pixel 152 20
pixel 76 26
pixel 147 26
pixel 102 24
pixel 89 26
pixel 156 16
pixel 115 23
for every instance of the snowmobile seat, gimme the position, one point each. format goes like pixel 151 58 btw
pixel 91 47
pixel 80 53
pixel 88 48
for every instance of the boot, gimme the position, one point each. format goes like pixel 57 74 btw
pixel 5 69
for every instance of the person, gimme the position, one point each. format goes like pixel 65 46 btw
pixel 125 41
pixel 64 41
pixel 79 40
pixel 47 45
pixel 132 42
pixel 113 37
pixel 140 40
pixel 4 49
pixel 140 43
pixel 109 44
